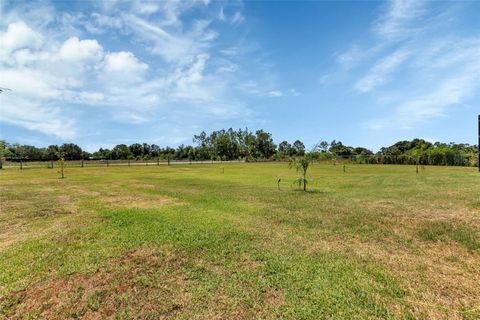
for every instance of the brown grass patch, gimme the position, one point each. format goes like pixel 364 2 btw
pixel 138 201
pixel 142 283
pixel 141 186
pixel 275 297
pixel 441 279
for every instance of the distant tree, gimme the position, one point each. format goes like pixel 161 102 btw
pixel 322 146
pixel 146 151
pixel 86 155
pixel 264 143
pixel 284 147
pixel 191 153
pixel 136 149
pixel 51 152
pixel 298 148
pixel 362 151
pixel 339 149
pixel 154 151
pixel 102 154
pixel 71 151
pixel 121 152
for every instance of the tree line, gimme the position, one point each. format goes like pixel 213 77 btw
pixel 243 144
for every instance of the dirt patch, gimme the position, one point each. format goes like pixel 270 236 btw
pixel 144 283
pixel 275 297
pixel 137 201
pixel 141 186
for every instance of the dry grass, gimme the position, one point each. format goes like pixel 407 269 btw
pixel 118 289
pixel 138 201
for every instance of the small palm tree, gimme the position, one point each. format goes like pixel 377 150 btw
pixel 301 165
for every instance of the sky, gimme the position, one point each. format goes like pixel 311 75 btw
pixel 367 73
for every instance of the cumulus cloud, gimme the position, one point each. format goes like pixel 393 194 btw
pixel 18 36
pixel 75 50
pixel 65 66
pixel 124 62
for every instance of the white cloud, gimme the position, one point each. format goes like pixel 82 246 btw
pixel 434 104
pixel 449 80
pixel 274 93
pixel 59 73
pixel 379 74
pixel 430 67
pixel 398 20
pixel 18 36
pixel 124 62
pixel 27 113
pixel 75 50
pixel 173 46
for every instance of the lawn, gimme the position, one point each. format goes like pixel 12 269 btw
pixel 223 241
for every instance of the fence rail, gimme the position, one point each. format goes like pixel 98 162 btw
pixel 104 163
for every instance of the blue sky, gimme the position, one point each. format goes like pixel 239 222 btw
pixel 366 73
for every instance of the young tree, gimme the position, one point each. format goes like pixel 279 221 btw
pixel 4 152
pixel 61 163
pixel 301 164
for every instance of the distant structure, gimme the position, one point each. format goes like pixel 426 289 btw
pixel 4 89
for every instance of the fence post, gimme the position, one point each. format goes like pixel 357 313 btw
pixel 21 165
pixel 107 163
pixel 1 163
pixel 158 161
pixel 129 162
pixel 82 163
pixel 168 161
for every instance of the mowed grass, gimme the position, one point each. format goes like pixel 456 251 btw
pixel 224 242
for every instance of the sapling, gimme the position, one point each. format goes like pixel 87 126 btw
pixel 61 164
pixel 301 165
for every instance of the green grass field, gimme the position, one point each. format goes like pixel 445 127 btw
pixel 223 242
